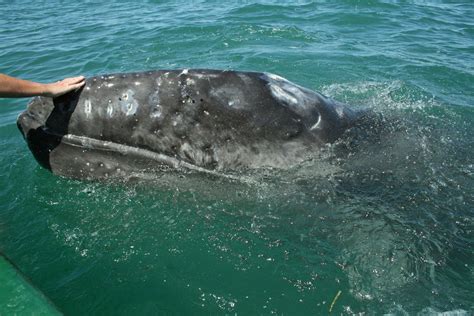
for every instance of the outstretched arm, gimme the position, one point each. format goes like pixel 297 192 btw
pixel 16 88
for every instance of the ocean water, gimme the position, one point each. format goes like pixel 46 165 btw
pixel 381 222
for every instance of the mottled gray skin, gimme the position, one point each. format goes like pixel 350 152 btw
pixel 206 120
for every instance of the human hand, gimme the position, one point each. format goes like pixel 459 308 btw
pixel 64 86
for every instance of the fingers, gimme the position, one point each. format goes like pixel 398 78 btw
pixel 65 86
pixel 74 80
pixel 73 83
pixel 77 85
pixel 78 79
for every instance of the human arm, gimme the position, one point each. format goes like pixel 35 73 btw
pixel 17 88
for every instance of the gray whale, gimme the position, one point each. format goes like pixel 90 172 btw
pixel 205 120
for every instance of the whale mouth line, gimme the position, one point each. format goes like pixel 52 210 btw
pixel 95 144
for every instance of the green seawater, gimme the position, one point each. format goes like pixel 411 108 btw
pixel 384 217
